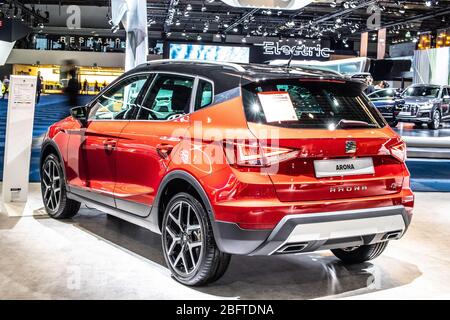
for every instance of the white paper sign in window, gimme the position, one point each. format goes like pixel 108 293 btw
pixel 277 106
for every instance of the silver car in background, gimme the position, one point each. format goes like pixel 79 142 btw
pixel 426 104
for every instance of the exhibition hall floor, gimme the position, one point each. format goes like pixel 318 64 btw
pixel 408 130
pixel 95 256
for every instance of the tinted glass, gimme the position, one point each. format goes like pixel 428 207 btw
pixel 169 98
pixel 120 101
pixel 316 104
pixel 430 92
pixel 204 94
pixel 383 94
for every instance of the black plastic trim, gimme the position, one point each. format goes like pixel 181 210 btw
pixel 235 240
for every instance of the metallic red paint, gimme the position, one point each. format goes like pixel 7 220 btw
pixel 127 160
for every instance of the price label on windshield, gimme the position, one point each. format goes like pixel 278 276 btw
pixel 277 106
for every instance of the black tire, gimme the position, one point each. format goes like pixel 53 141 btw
pixel 211 263
pixel 435 120
pixel 59 207
pixel 360 254
pixel 393 123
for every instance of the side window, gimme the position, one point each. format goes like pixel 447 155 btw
pixel 169 98
pixel 445 93
pixel 205 95
pixel 119 101
pixel 374 95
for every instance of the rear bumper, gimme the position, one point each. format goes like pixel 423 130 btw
pixel 316 231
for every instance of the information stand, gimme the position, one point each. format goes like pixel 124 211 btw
pixel 19 137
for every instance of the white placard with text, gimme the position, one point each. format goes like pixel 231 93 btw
pixel 277 106
pixel 19 137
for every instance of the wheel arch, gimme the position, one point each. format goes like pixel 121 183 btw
pixel 181 181
pixel 50 147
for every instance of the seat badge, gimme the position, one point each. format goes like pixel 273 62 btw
pixel 350 146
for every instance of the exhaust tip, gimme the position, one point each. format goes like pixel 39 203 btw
pixel 393 235
pixel 291 248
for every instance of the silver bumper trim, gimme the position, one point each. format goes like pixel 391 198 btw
pixel 340 229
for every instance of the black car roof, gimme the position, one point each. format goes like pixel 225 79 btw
pixel 227 76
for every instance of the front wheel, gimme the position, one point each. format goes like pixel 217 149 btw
pixel 435 120
pixel 53 188
pixel 360 254
pixel 188 243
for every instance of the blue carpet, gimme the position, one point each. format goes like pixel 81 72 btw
pixel 51 109
pixel 428 175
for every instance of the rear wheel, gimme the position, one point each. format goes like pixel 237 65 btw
pixel 360 254
pixel 188 243
pixel 393 123
pixel 435 120
pixel 53 188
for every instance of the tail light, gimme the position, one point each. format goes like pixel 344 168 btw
pixel 398 151
pixel 252 154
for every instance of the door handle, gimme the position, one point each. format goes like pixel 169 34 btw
pixel 109 145
pixel 164 150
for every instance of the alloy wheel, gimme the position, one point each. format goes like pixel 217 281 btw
pixel 436 119
pixel 51 185
pixel 183 238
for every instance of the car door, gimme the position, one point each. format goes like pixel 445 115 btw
pixel 145 145
pixel 93 148
pixel 445 104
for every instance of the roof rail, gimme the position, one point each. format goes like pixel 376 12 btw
pixel 226 64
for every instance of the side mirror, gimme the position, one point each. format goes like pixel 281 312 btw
pixel 80 114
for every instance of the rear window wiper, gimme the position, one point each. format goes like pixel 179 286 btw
pixel 345 124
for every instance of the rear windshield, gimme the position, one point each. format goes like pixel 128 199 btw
pixel 297 103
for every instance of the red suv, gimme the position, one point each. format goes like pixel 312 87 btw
pixel 225 159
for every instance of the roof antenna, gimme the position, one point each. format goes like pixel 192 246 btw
pixel 288 66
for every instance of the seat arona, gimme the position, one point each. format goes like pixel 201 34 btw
pixel 227 159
